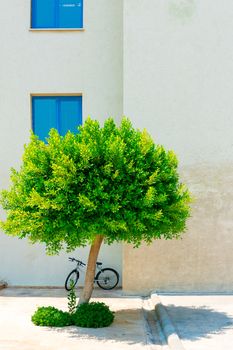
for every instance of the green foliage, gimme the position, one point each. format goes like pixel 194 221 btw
pixel 112 181
pixel 72 300
pixel 93 315
pixel 51 317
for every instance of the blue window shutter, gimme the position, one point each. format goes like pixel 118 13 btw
pixel 70 13
pixel 44 13
pixel 60 112
pixel 70 114
pixel 44 115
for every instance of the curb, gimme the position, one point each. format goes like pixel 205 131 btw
pixel 168 328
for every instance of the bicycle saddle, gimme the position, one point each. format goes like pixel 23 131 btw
pixel 99 263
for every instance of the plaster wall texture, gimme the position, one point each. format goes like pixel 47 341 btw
pixel 170 70
pixel 178 69
pixel 87 62
pixel 200 261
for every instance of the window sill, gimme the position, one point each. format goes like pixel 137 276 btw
pixel 56 29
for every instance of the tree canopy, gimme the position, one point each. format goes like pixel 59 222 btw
pixel 109 181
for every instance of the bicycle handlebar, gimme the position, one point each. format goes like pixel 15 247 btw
pixel 78 261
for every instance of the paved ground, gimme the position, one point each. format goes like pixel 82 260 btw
pixel 129 330
pixel 203 322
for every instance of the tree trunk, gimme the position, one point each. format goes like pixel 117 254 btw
pixel 90 272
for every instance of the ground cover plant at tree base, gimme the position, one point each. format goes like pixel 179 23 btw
pixel 89 315
pixel 93 315
pixel 49 316
pixel 107 183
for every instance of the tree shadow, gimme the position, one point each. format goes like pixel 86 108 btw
pixel 128 327
pixel 193 323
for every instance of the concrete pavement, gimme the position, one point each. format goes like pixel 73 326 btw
pixel 203 322
pixel 130 329
pixel 189 322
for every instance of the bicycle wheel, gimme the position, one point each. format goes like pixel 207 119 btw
pixel 73 275
pixel 107 278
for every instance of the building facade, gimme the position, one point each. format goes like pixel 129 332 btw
pixel 166 64
pixel 178 83
pixel 53 62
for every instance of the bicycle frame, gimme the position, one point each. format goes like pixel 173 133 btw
pixel 105 277
pixel 81 269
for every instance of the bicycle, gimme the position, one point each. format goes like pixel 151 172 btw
pixel 106 278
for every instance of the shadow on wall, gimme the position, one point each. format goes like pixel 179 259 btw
pixel 193 323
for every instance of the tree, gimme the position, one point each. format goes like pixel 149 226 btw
pixel 110 183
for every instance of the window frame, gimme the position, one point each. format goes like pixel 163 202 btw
pixel 50 94
pixel 72 29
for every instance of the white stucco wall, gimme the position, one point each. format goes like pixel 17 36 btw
pixel 178 69
pixel 178 83
pixel 170 70
pixel 87 62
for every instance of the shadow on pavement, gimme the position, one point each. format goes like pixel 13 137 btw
pixel 127 327
pixel 193 323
